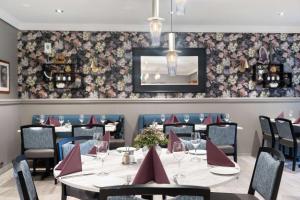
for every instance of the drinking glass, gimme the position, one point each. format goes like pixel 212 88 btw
pixel 102 152
pixel 81 118
pixel 178 153
pixel 61 120
pixel 102 119
pixel 163 118
pixel 201 117
pixel 195 141
pixel 186 118
pixel 42 119
pixel 227 117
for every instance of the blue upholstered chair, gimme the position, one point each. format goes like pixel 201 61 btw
pixel 267 131
pixel 87 130
pixel 38 143
pixel 265 179
pixel 22 175
pixel 224 136
pixel 287 137
pixel 182 130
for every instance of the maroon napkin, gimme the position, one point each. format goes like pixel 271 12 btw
pixel 72 163
pixel 207 120
pixel 281 115
pixel 106 137
pixel 172 138
pixel 92 120
pixel 217 157
pixel 52 121
pixel 172 120
pixel 151 170
pixel 219 120
pixel 297 121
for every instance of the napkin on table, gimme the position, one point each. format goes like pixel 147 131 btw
pixel 297 121
pixel 207 120
pixel 172 120
pixel 92 120
pixel 281 115
pixel 219 120
pixel 52 121
pixel 151 170
pixel 72 162
pixel 172 138
pixel 217 157
pixel 106 137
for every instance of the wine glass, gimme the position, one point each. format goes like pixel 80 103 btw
pixel 102 152
pixel 178 153
pixel 163 118
pixel 227 117
pixel 61 120
pixel 42 119
pixel 81 118
pixel 186 118
pixel 195 141
pixel 102 119
pixel 201 117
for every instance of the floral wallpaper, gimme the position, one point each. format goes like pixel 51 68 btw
pixel 113 53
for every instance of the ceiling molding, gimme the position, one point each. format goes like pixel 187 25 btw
pixel 8 18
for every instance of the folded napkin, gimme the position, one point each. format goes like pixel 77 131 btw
pixel 172 120
pixel 297 121
pixel 52 121
pixel 106 137
pixel 151 170
pixel 207 120
pixel 219 120
pixel 72 162
pixel 217 157
pixel 172 138
pixel 281 115
pixel 92 120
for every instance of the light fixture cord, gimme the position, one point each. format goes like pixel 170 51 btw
pixel 171 16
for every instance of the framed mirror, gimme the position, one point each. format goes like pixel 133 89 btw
pixel 150 71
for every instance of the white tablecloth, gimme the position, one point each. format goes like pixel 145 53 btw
pixel 196 172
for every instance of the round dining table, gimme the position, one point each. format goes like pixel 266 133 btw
pixel 195 169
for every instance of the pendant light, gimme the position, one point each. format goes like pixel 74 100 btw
pixel 172 53
pixel 155 23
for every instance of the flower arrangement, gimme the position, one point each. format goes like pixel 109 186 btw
pixel 150 137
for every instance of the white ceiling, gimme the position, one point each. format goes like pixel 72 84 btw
pixel 131 15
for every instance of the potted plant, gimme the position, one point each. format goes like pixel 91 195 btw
pixel 150 137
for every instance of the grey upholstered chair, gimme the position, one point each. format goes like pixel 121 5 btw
pixel 287 137
pixel 38 143
pixel 22 175
pixel 224 136
pixel 267 131
pixel 182 130
pixel 265 179
pixel 87 130
pixel 128 192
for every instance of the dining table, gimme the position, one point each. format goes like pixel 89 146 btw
pixel 198 127
pixel 195 171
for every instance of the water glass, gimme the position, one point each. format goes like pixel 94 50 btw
pixel 163 118
pixel 61 120
pixel 201 117
pixel 42 119
pixel 186 118
pixel 102 119
pixel 227 117
pixel 81 118
pixel 179 154
pixel 102 152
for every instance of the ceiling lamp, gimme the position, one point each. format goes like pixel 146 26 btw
pixel 155 23
pixel 172 53
pixel 180 7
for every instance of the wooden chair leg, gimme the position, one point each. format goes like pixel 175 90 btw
pixel 63 192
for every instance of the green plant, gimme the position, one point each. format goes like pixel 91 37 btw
pixel 150 137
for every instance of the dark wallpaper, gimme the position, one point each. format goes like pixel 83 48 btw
pixel 113 52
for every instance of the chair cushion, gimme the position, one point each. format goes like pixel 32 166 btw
pixel 228 149
pixel 39 153
pixel 231 196
pixel 288 142
pixel 269 137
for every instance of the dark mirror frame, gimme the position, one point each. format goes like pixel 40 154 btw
pixel 138 88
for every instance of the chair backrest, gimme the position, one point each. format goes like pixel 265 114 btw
pixel 182 130
pixel 285 128
pixel 265 124
pixel 65 145
pixel 87 130
pixel 194 192
pixel 37 137
pixel 222 133
pixel 25 184
pixel 267 173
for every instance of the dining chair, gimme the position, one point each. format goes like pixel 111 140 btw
pixel 287 137
pixel 265 179
pixel 267 131
pixel 87 130
pixel 224 135
pixel 38 143
pixel 24 181
pixel 128 192
pixel 182 130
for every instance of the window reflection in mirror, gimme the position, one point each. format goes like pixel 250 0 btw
pixel 154 71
